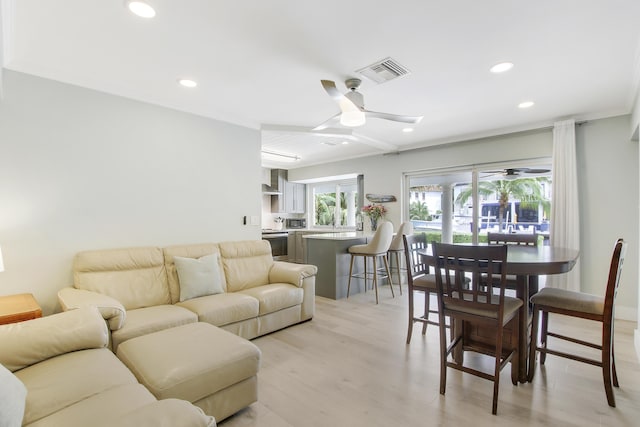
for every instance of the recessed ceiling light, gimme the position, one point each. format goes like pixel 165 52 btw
pixel 187 82
pixel 407 130
pixel 345 142
pixel 526 104
pixel 501 67
pixel 141 8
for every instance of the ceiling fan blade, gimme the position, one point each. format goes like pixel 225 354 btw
pixel 393 117
pixel 330 87
pixel 345 102
pixel 533 170
pixel 332 122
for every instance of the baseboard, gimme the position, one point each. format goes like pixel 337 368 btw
pixel 636 341
pixel 626 313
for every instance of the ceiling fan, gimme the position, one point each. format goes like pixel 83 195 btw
pixel 512 173
pixel 352 112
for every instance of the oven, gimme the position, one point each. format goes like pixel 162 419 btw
pixel 279 242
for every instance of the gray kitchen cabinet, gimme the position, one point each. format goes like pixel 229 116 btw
pixel 293 197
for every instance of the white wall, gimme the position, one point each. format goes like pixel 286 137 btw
pixel 608 191
pixel 80 170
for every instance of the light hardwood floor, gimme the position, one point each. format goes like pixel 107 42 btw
pixel 350 366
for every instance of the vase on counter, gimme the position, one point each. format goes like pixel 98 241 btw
pixel 374 224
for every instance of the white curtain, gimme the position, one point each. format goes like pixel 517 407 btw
pixel 565 212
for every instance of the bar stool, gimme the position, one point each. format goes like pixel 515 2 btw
pixel 377 247
pixel 397 247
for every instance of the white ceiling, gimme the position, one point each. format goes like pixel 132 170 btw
pixel 259 63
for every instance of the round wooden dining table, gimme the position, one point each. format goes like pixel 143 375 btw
pixel 527 263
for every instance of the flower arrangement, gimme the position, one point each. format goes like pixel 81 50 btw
pixel 374 211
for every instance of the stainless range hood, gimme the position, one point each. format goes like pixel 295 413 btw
pixel 269 190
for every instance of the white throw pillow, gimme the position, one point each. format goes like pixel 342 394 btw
pixel 199 277
pixel 13 396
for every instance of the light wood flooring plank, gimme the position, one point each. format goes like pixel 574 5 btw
pixel 350 366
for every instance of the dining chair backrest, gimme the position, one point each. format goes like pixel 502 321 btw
pixel 415 264
pixel 527 239
pixel 381 239
pixel 484 264
pixel 397 244
pixel 615 270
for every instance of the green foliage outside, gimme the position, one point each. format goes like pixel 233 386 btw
pixel 457 237
pixel 325 204
pixel 419 210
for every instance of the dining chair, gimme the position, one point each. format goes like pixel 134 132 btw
pixel 474 306
pixel 583 306
pixel 376 248
pixel 397 247
pixel 418 280
pixel 524 239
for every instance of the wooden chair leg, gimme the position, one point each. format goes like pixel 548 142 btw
pixel 515 359
pixel 410 330
pixel 426 311
pixel 606 364
pixel 350 273
pixel 443 357
pixel 543 336
pixel 386 266
pixel 533 346
pixel 496 372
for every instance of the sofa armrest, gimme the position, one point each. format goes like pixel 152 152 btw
pixel 163 413
pixel 288 272
pixel 110 309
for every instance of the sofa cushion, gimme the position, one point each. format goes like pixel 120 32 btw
pixel 13 396
pixel 246 263
pixel 223 309
pixel 187 251
pixel 25 343
pixel 64 380
pixel 199 276
pixel 275 297
pixel 151 319
pixel 106 406
pixel 134 276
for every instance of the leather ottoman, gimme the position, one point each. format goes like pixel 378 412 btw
pixel 208 366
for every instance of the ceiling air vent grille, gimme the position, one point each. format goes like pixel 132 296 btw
pixel 383 71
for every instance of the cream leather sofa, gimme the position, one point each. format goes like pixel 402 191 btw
pixel 58 371
pixel 138 289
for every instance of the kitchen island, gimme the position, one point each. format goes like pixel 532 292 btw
pixel 330 253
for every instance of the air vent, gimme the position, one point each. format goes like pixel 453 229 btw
pixel 383 71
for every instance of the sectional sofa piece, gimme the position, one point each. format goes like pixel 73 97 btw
pixel 144 291
pixel 58 371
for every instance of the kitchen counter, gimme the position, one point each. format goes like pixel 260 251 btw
pixel 330 253
pixel 345 235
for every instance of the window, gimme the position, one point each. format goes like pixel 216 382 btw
pixel 334 203
pixel 463 205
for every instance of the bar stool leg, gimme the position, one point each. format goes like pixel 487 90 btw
pixel 350 273
pixel 386 266
pixel 375 277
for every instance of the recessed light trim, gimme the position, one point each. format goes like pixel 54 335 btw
pixel 187 83
pixel 526 104
pixel 407 130
pixel 501 67
pixel 141 8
